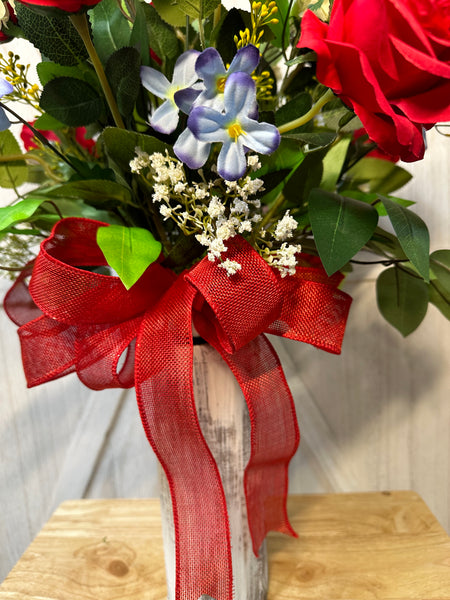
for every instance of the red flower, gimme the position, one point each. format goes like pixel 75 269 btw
pixel 389 60
pixel 61 6
pixel 376 152
pixel 80 137
pixel 27 137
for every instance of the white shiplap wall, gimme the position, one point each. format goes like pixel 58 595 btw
pixel 376 417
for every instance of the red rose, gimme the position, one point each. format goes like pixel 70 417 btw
pixel 389 60
pixel 60 6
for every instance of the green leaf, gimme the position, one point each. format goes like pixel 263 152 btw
pixel 341 226
pixel 20 212
pixel 139 34
pixel 120 145
pixel 299 105
pixel 440 297
pixel 128 250
pixel 440 267
pixel 46 123
pixel 123 73
pixel 198 9
pixel 375 175
pixel 278 28
pixel 97 192
pixel 372 199
pixel 12 174
pixel 402 299
pixel 306 177
pixel 170 13
pixel 162 37
pixel 333 163
pixel 314 139
pixel 412 234
pixel 55 37
pixel 110 30
pixel 231 25
pixel 439 287
pixel 71 101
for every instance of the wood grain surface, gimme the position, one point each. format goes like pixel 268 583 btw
pixel 373 546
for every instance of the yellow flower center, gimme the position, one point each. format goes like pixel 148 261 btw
pixel 221 83
pixel 235 130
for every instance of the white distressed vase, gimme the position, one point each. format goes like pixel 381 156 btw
pixel 225 424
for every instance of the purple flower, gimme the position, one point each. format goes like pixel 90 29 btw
pixel 211 70
pixel 179 94
pixel 234 128
pixel 5 88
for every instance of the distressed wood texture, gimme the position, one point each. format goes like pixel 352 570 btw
pixel 374 546
pixel 225 423
pixel 377 417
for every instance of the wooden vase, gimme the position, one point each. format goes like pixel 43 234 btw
pixel 225 424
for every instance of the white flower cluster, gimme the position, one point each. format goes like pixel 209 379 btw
pixel 216 211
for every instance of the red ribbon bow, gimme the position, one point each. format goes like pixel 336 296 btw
pixel 73 319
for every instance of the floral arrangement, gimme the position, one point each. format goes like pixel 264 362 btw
pixel 196 157
pixel 186 123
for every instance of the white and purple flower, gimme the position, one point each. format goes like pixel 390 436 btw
pixel 179 94
pixel 5 88
pixel 234 128
pixel 212 72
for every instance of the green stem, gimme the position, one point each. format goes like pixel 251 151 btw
pixel 32 157
pixel 81 24
pixel 278 203
pixel 315 109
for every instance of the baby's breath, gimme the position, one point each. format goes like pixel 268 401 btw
pixel 215 211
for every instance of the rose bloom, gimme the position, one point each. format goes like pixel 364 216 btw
pixel 389 60
pixel 59 6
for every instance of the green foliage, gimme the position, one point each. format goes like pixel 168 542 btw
pixel 96 192
pixel 412 235
pixel 163 39
pixel 198 9
pixel 402 298
pixel 439 287
pixel 49 70
pixel 19 212
pixel 299 105
pixel 55 37
pixel 170 13
pixel 341 227
pixel 12 174
pixel 110 30
pixel 139 34
pixel 128 250
pixel 120 146
pixel 333 163
pixel 123 73
pixel 71 101
pixel 375 175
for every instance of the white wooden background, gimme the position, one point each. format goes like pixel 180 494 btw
pixel 377 417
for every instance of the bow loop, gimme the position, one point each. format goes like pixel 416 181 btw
pixel 234 305
pixel 64 290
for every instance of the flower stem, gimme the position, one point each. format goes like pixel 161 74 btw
pixel 81 24
pixel 314 110
pixel 278 203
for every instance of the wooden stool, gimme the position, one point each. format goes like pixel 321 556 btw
pixel 384 545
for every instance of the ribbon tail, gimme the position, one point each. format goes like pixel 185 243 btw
pixel 274 436
pixel 164 388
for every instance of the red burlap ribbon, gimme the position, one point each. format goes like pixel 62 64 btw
pixel 75 320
